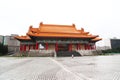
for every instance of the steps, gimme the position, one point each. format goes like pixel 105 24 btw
pixel 89 52
pixel 67 53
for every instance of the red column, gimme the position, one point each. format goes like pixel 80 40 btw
pixel 89 47
pixel 70 47
pixel 21 47
pixel 24 47
pixel 28 47
pixel 85 47
pixel 77 46
pixel 46 47
pixel 56 46
pixel 36 46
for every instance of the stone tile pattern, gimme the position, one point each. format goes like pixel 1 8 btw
pixel 64 68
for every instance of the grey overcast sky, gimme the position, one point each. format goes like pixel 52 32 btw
pixel 99 17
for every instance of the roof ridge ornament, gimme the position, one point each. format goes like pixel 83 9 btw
pixel 82 29
pixel 73 25
pixel 30 26
pixel 41 23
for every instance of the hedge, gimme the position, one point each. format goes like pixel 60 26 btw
pixel 3 49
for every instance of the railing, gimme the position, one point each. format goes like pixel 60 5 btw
pixel 89 52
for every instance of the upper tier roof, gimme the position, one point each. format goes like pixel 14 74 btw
pixel 51 30
pixel 57 28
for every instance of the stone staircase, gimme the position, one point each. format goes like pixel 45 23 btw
pixel 67 53
pixel 89 52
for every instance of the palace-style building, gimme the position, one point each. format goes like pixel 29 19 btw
pixel 58 38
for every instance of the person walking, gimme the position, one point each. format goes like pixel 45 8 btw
pixel 72 56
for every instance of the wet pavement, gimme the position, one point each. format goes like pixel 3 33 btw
pixel 61 68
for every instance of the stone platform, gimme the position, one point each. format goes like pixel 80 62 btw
pixel 62 68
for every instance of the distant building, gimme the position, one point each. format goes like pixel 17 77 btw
pixel 115 43
pixel 11 42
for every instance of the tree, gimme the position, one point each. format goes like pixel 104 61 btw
pixel 3 49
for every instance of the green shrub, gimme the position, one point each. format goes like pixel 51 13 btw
pixel 3 49
pixel 116 50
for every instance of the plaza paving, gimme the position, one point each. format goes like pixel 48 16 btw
pixel 61 68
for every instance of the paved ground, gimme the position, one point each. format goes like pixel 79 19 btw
pixel 67 68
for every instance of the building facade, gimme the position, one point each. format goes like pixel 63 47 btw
pixel 115 43
pixel 11 42
pixel 58 38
